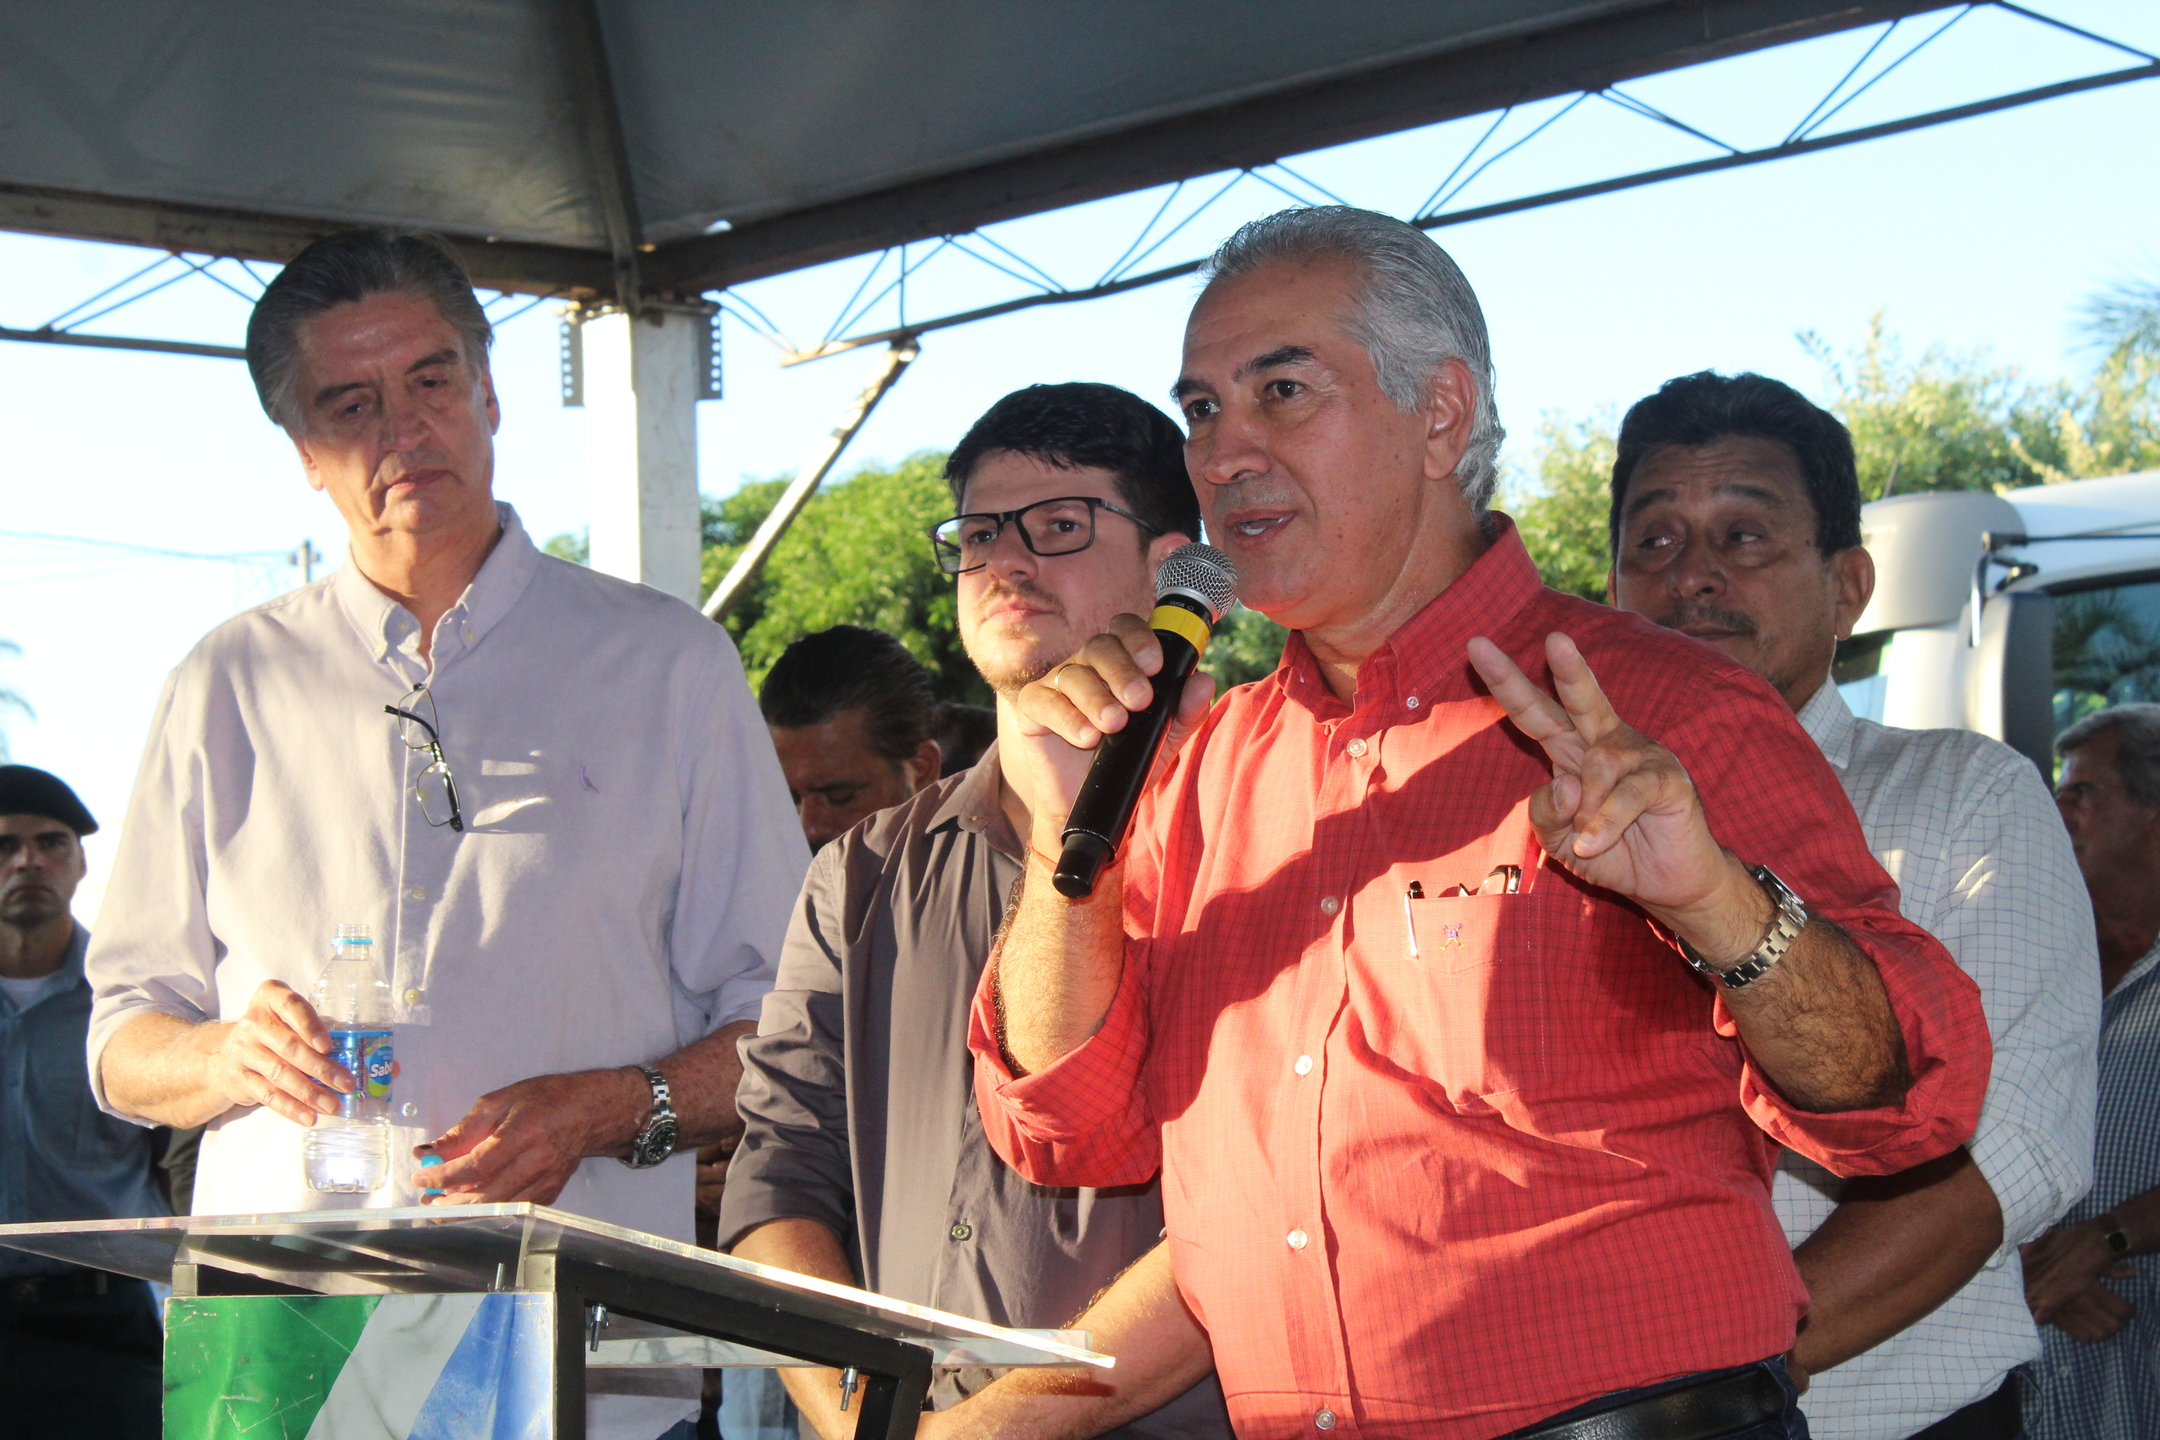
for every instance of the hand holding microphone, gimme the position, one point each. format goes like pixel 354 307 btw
pixel 1095 702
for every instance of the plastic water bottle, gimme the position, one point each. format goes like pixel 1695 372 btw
pixel 348 1152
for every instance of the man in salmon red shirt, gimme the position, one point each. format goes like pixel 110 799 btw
pixel 1393 977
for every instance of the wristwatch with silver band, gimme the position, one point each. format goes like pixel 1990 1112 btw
pixel 656 1141
pixel 1788 918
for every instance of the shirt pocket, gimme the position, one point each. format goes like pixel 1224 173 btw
pixel 1460 999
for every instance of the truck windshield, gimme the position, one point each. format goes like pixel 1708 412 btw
pixel 2107 649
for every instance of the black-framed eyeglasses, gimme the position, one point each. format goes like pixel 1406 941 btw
pixel 433 789
pixel 1063 526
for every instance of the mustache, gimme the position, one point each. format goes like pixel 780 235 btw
pixel 1251 492
pixel 1002 590
pixel 1705 614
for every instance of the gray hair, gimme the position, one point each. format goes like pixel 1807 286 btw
pixel 1417 312
pixel 338 270
pixel 2137 746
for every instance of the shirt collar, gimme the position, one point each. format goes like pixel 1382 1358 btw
pixel 974 805
pixel 69 976
pixel 384 625
pixel 1830 723
pixel 1424 657
pixel 2133 979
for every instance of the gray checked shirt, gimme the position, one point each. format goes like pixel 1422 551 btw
pixel 2110 1390
pixel 858 1093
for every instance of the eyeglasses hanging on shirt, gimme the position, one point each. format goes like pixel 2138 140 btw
pixel 435 791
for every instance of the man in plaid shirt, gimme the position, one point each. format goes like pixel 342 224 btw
pixel 1736 519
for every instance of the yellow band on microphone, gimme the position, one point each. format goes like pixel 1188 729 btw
pixel 1179 621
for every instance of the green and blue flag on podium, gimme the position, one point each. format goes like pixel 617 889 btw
pixel 359 1367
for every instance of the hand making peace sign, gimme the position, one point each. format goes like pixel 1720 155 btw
pixel 1620 811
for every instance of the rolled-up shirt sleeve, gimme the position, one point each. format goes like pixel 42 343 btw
pixel 153 951
pixel 795 1160
pixel 1084 1119
pixel 1777 802
pixel 2019 920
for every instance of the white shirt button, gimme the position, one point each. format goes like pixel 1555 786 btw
pixel 1296 1238
pixel 417 893
pixel 412 997
pixel 1356 747
pixel 1329 904
pixel 1412 702
pixel 1303 1065
pixel 1325 1420
pixel 408 1109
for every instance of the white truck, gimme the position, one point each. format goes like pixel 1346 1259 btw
pixel 2013 615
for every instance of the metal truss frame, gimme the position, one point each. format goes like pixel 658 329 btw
pixel 886 274
pixel 232 273
pixel 635 270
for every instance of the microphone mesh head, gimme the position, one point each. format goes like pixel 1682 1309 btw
pixel 1203 572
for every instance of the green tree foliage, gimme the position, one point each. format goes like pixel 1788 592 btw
pixel 2111 427
pixel 728 523
pixel 1946 421
pixel 1560 507
pixel 2124 318
pixel 1246 646
pixel 573 545
pixel 857 555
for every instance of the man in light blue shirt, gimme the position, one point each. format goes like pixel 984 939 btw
pixel 546 791
pixel 79 1349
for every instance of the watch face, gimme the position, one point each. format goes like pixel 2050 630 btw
pixel 658 1141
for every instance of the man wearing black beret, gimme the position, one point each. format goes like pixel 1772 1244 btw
pixel 79 1349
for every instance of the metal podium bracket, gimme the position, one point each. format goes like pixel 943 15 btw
pixel 896 1373
pixel 666 1347
pixel 550 1269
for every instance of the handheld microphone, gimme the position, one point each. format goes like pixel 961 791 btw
pixel 1195 587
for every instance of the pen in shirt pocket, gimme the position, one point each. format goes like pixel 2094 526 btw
pixel 1503 880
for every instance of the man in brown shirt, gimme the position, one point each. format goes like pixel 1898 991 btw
pixel 863 1159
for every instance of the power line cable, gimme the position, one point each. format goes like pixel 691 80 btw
pixel 229 557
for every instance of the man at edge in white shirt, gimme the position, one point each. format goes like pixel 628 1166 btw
pixel 589 903
pixel 1736 519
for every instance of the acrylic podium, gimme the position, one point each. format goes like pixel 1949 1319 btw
pixel 481 1320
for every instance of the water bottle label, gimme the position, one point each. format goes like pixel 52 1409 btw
pixel 377 1058
pixel 367 1055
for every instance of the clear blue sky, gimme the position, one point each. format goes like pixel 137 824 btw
pixel 1980 235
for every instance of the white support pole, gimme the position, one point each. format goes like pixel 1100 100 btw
pixel 641 383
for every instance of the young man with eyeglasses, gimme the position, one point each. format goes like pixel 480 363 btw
pixel 863 1159
pixel 573 845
